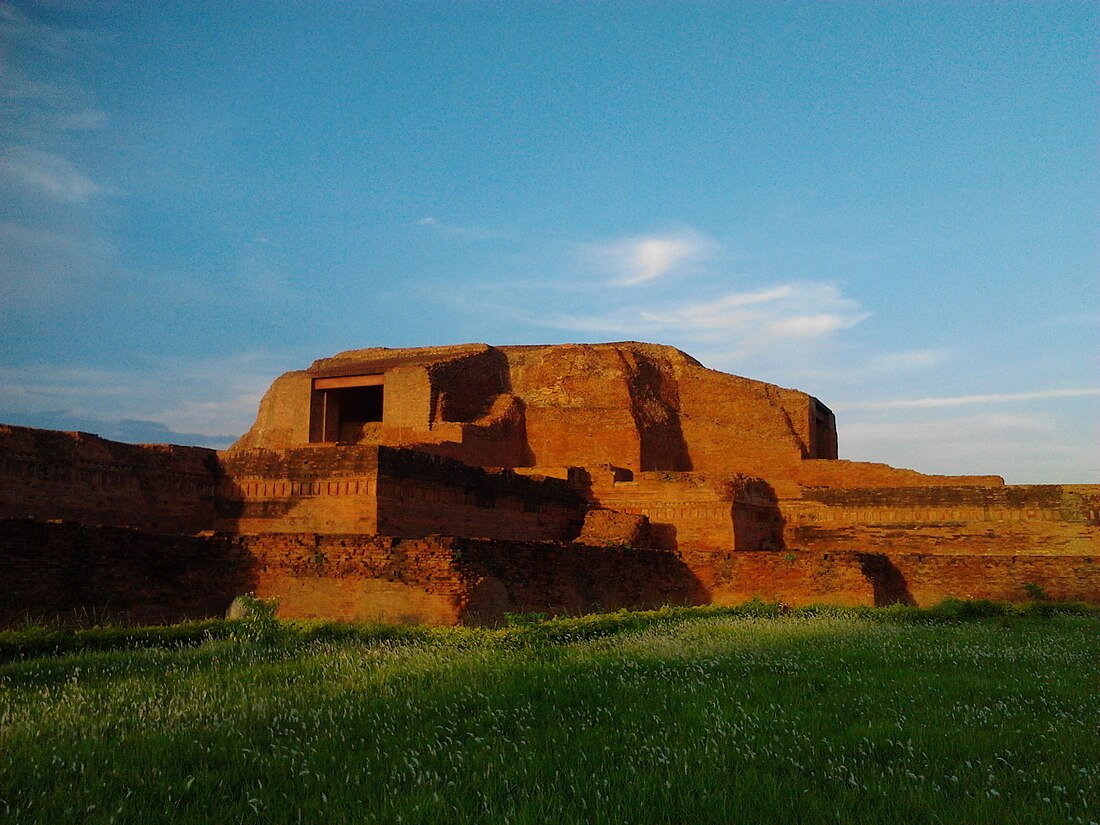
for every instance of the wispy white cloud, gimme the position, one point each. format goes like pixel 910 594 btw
pixel 813 326
pixel 719 313
pixel 735 322
pixel 956 430
pixel 81 120
pixel 641 258
pixel 907 361
pixel 473 233
pixel 963 400
pixel 47 174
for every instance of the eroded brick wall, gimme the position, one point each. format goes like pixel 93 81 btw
pixel 392 491
pixel 67 570
pixel 611 528
pixel 556 578
pixel 853 474
pixel 855 578
pixel 440 580
pixel 420 494
pixel 468 385
pixel 685 510
pixel 1027 519
pixel 73 572
pixel 45 474
pixel 357 577
pixel 309 489
pixel 578 406
pixel 83 573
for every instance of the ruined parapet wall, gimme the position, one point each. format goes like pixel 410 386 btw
pixel 878 579
pixel 610 528
pixel 855 474
pixel 393 491
pixel 568 579
pixel 283 419
pixel 451 401
pixel 383 359
pixel 466 387
pixel 734 425
pixel 1004 520
pixel 496 439
pixel 288 414
pixel 45 474
pixel 421 494
pixel 73 572
pixel 308 489
pixel 446 580
pixel 692 514
pixel 688 514
pixel 356 577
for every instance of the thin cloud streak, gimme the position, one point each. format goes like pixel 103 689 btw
pixel 962 400
pixel 473 233
pixel 812 326
pixel 978 432
pixel 642 258
pixel 801 310
pixel 893 362
pixel 47 174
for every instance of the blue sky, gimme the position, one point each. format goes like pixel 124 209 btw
pixel 892 206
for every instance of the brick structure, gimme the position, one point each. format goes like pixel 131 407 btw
pixel 374 483
pixel 162 488
pixel 392 491
pixel 63 568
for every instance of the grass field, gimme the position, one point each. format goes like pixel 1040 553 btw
pixel 678 717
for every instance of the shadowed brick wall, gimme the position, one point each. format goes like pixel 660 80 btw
pixel 68 570
pixel 73 571
pixel 45 474
pixel 396 492
pixel 420 494
pixel 442 580
pixel 855 578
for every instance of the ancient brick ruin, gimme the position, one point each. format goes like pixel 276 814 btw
pixel 459 483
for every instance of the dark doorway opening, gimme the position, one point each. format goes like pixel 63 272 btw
pixel 346 409
pixel 354 408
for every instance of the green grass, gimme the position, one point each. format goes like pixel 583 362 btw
pixel 971 714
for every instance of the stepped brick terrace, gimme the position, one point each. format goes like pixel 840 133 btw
pixel 455 484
